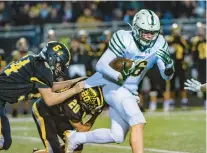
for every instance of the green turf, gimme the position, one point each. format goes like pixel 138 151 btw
pixel 176 131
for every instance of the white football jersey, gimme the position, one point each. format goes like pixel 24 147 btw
pixel 123 45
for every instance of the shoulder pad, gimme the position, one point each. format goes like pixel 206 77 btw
pixel 162 43
pixel 119 42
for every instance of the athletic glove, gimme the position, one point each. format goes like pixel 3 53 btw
pixel 192 85
pixel 165 57
pixel 126 72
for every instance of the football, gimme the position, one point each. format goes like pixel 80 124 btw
pixel 117 64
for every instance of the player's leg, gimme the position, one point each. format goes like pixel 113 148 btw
pixel 63 129
pixel 47 130
pixel 153 92
pixel 184 96
pixel 5 133
pixel 117 133
pixel 15 110
pixel 26 106
pixel 172 91
pixel 165 89
pixel 202 77
pixel 153 100
pixel 125 104
pixel 141 97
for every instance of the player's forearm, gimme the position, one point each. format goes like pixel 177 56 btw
pixel 65 84
pixel 52 98
pixel 103 67
pixel 56 98
pixel 84 128
pixel 80 127
pixel 203 87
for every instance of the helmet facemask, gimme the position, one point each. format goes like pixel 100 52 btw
pixel 144 38
pixel 60 68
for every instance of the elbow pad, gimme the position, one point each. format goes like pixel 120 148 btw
pixel 169 71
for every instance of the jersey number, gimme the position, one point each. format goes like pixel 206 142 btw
pixel 57 48
pixel 15 66
pixel 139 68
pixel 85 96
pixel 74 106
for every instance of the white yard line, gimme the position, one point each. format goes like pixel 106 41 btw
pixel 151 114
pixel 36 139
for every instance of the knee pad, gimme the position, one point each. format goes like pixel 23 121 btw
pixel 117 136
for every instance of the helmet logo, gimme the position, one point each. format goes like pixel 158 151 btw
pixel 57 48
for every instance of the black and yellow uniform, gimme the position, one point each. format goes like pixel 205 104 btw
pixel 17 81
pixel 54 121
pixel 199 46
pixel 180 47
pixel 21 78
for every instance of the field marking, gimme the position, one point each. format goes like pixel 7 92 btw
pixel 36 139
pixel 146 114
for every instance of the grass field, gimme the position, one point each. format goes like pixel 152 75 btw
pixel 174 132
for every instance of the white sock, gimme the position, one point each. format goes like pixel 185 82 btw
pixel 153 106
pixel 95 136
pixel 166 104
pixel 184 101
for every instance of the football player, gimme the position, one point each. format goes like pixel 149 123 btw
pixel 199 46
pixel 179 50
pixel 58 120
pixel 31 74
pixel 145 47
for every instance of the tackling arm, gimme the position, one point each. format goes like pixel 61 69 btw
pixel 51 98
pixel 65 84
pixel 86 126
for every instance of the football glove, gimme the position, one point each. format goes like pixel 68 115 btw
pixel 165 57
pixel 192 85
pixel 126 72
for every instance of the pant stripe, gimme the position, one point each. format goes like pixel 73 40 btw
pixel 42 126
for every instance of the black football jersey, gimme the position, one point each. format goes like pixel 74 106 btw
pixel 72 107
pixel 180 45
pixel 23 77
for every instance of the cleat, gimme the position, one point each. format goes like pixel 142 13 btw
pixel 70 145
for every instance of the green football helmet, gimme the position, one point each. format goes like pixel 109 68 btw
pixel 145 22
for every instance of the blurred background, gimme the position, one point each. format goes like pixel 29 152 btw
pixel 86 28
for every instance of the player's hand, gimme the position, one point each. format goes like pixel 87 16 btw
pixel 126 72
pixel 164 56
pixel 79 86
pixel 192 85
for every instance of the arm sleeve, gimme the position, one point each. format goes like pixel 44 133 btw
pixel 103 67
pixel 162 68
